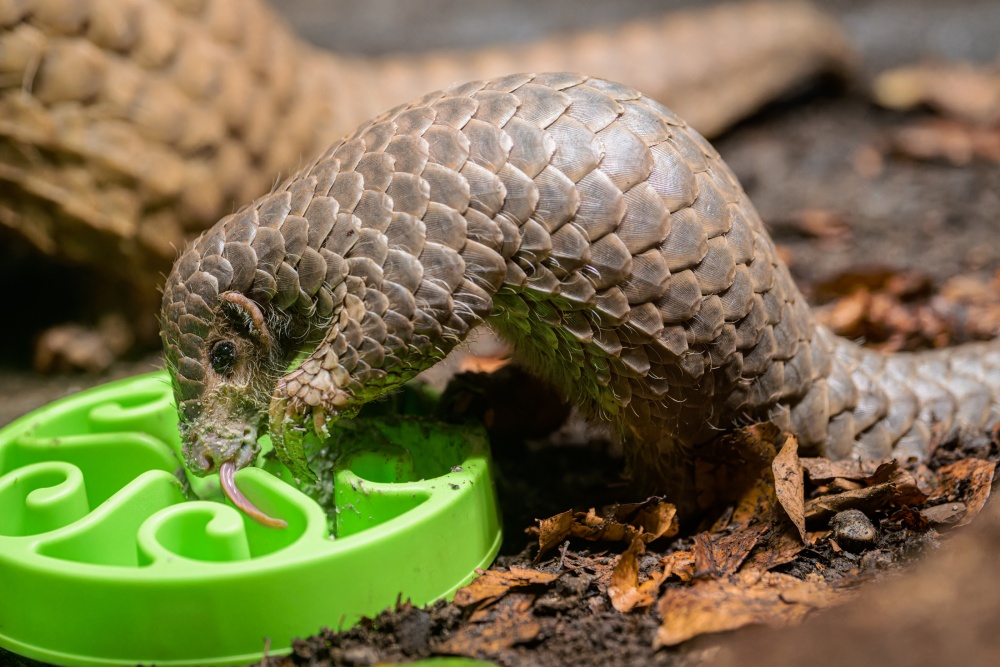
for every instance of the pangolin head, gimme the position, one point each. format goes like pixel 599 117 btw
pixel 223 361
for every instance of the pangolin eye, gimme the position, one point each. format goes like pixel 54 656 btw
pixel 223 357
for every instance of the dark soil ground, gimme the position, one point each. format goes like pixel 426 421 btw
pixel 805 152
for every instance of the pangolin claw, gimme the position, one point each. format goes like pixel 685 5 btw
pixel 289 444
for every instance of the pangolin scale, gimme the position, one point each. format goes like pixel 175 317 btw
pixel 587 225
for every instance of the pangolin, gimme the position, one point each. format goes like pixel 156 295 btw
pixel 591 228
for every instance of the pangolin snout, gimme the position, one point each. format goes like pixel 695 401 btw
pixel 235 443
pixel 226 449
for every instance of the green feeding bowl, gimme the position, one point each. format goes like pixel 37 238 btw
pixel 104 560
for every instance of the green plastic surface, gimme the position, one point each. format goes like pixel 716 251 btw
pixel 103 560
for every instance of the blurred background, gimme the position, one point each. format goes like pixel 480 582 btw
pixel 886 32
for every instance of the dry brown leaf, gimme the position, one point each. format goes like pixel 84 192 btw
pixel 733 472
pixel 600 568
pixel 788 484
pixel 910 519
pixel 857 474
pixel 907 490
pixel 680 564
pixel 960 90
pixel 649 520
pixel 585 525
pixel 721 555
pixel 552 531
pixel 978 301
pixel 869 498
pixel 816 223
pixel 947 514
pixel 967 481
pixel 757 504
pixel 815 536
pixel 885 472
pixel 781 546
pixel 511 623
pixel 720 605
pixel 908 285
pixel 848 312
pixel 625 591
pixel 656 521
pixel 491 585
pixel 953 141
pixel 589 526
pixel 892 310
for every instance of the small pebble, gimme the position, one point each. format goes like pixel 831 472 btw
pixel 853 530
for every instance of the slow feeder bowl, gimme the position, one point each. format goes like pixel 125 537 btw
pixel 103 560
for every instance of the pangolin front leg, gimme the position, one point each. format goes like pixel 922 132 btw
pixel 590 227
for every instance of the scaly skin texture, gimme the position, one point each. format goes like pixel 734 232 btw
pixel 591 228
pixel 127 126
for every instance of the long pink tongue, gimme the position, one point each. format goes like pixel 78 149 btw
pixel 226 476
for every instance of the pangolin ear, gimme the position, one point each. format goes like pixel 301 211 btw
pixel 251 313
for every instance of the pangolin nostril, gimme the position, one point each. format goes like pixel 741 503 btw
pixel 206 462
